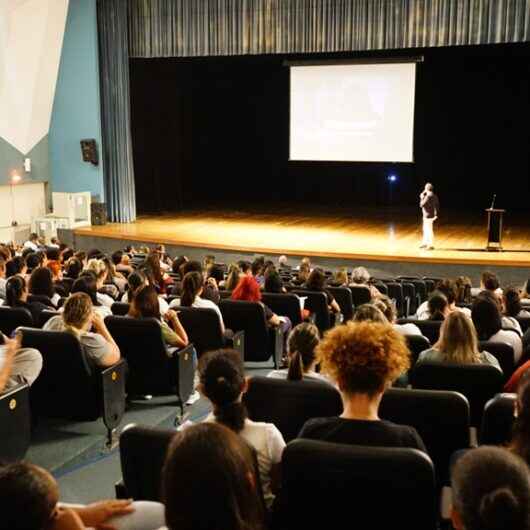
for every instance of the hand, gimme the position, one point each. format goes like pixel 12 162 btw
pixel 96 514
pixel 170 315
pixel 97 321
pixel 12 345
pixel 66 519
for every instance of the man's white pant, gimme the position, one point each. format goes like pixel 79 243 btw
pixel 428 232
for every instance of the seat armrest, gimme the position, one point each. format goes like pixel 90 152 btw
pixel 186 371
pixel 277 345
pixel 121 490
pixel 239 343
pixel 15 419
pixel 113 390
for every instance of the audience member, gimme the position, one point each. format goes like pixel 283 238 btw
pixel 3 280
pixel 32 242
pixel 303 275
pixel 317 283
pixel 283 262
pixel 491 491
pixel 78 318
pixel 363 358
pixel 438 306
pixel 513 308
pixel 41 285
pixel 520 443
pixel 340 278
pixel 458 344
pixel 209 461
pixel 463 290
pixel 370 313
pixel 178 262
pixel 387 306
pixel 211 289
pixel 449 289
pixel 106 294
pixel 73 268
pixel 223 383
pixel 17 296
pixel 273 282
pixel 16 265
pixel 17 365
pixel 87 284
pixel 360 277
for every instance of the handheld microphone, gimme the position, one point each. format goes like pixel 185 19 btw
pixel 493 201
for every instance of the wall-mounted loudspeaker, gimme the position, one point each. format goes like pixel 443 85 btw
pixel 98 211
pixel 89 151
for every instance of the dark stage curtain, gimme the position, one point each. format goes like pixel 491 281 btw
pixel 191 28
pixel 114 78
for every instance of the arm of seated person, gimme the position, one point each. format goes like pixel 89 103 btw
pixel 274 320
pixel 174 333
pixel 334 306
pixel 109 353
pixel 10 348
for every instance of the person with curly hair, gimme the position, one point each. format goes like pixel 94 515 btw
pixel 363 358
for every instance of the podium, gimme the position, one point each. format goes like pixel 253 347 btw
pixel 494 229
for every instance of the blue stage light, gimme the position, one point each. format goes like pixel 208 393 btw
pixel 392 178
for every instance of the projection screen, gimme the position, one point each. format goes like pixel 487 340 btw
pixel 352 112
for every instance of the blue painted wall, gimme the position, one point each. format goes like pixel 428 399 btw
pixel 76 108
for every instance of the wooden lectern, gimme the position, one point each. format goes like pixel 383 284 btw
pixel 494 229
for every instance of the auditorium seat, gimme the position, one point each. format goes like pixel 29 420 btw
pixel 478 382
pixel 503 353
pixel 150 370
pixel 286 304
pixel 13 317
pixel 410 300
pixel 395 292
pixel 498 419
pixel 69 386
pixel 120 308
pixel 344 299
pixel 289 404
pixel 15 422
pixel 428 328
pixel 42 299
pixel 360 295
pixel 204 330
pixel 261 341
pixel 441 417
pixel 419 285
pixel 416 344
pixel 524 323
pixel 328 485
pixel 317 303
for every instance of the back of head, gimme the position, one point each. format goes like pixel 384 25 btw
pixel 438 305
pixel 216 272
pixel 363 357
pixel 33 260
pixel 28 497
pixel 491 490
pixel 222 377
pixel 370 313
pixel 301 345
pixel 208 461
pixel 191 286
pixel 486 316
pixel 73 268
pixel 490 281
pixel 135 280
pixel 53 254
pixel 77 311
pixel 97 267
pixel 521 437
pixel 191 266
pixel 117 257
pixel 146 303
pixel 247 289
pixel 245 266
pixel 257 267
pixel 86 284
pixel 512 302
pixel 360 276
pixel 458 339
pixel 316 280
pixel 463 290
pixel 387 306
pixel 41 282
pixel 15 287
pixel 448 288
pixel 15 266
pixel 273 282
pixel 178 263
pixel 232 278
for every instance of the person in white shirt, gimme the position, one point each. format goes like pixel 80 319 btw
pixel 488 323
pixel 385 304
pixel 192 288
pixel 32 242
pixel 17 365
pixel 449 289
pixel 223 383
pixel 98 267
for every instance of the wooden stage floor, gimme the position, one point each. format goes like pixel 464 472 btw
pixel 387 235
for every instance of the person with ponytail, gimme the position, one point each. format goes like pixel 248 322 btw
pixel 491 491
pixel 78 318
pixel 438 306
pixel 192 289
pixel 301 344
pixel 17 296
pixel 138 279
pixel 520 444
pixel 223 383
pixel 87 283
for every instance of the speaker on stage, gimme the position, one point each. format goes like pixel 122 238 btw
pixel 98 211
pixel 89 151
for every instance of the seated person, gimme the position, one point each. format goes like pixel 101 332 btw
pixel 57 278
pixel 3 279
pixel 520 443
pixel 73 268
pixel 340 278
pixel 87 283
pixel 17 296
pixel 212 459
pixel 463 290
pixel 17 365
pixel 438 307
pixel 114 278
pixel 159 278
pixel 145 305
pixel 273 282
pixel 16 265
pixel 512 307
pixel 211 289
pixel 29 500
pixel 491 491
pixel 317 282
pixel 41 285
pixel 360 277
pixel 121 262
pixel 107 293
pixel 449 289
pixel 223 383
pixel 232 278
pixel 177 263
pixel 369 313
pixel 388 308
pixel 458 344
pixel 192 289
pixel 33 242
pixel 363 359
pixel 301 345
pixel 488 323
pixel 78 318
pixel 302 276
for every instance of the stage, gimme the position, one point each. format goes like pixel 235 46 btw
pixel 386 235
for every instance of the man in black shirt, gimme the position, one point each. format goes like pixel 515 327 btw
pixel 430 207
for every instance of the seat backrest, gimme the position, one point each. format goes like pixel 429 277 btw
pixel 317 303
pixel 250 318
pixel 289 404
pixel 360 295
pixel 417 344
pixel 344 299
pixel 395 291
pixel 46 315
pixel 67 386
pixel 503 353
pixel 140 342
pixel 203 328
pixel 120 309
pixel 441 417
pixel 409 293
pixel 13 317
pixel 428 328
pixel 285 304
pixel 15 422
pixel 141 475
pixel 524 323
pixel 478 382
pixel 324 485
pixel 42 299
pixel 498 420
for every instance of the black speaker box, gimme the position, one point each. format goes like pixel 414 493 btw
pixel 89 151
pixel 98 211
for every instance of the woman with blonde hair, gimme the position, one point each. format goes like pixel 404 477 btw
pixel 363 359
pixel 106 293
pixel 458 344
pixel 232 278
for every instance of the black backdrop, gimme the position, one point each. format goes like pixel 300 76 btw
pixel 215 131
